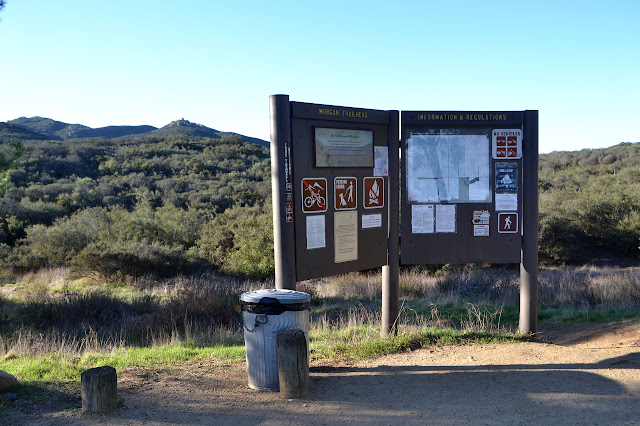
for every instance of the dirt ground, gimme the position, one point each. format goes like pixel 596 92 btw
pixel 573 375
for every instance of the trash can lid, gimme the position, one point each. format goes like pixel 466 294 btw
pixel 283 296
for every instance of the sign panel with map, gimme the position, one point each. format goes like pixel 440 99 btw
pixel 448 168
pixel 462 171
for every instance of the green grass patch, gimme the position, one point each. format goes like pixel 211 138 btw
pixel 457 313
pixel 567 316
pixel 61 368
pixel 365 342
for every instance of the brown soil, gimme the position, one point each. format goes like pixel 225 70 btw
pixel 573 375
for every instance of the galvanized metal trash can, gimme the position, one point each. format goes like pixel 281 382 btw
pixel 264 314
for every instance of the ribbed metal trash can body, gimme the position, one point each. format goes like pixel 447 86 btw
pixel 264 314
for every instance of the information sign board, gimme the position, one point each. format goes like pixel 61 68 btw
pixel 460 170
pixel 339 161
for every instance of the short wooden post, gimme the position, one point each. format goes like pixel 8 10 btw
pixel 293 364
pixel 99 390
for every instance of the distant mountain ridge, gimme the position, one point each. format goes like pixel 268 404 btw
pixel 13 131
pixel 42 128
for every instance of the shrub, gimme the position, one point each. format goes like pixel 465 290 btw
pixel 560 241
pixel 57 244
pixel 125 260
pixel 240 241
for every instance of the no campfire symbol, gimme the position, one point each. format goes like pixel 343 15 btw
pixel 373 192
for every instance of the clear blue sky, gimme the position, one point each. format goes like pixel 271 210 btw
pixel 215 62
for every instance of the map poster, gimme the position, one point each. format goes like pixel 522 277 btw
pixel 381 158
pixel 448 168
pixel 343 147
pixel 346 236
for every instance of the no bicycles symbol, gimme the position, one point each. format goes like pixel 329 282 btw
pixel 314 195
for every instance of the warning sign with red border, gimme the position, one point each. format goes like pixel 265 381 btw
pixel 373 192
pixel 507 144
pixel 314 195
pixel 481 223
pixel 508 223
pixel 345 190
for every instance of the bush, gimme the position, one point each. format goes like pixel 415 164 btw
pixel 560 241
pixel 57 244
pixel 240 241
pixel 125 260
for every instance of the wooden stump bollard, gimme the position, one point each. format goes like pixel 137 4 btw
pixel 293 364
pixel 99 390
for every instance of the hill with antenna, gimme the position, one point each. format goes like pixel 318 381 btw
pixel 42 128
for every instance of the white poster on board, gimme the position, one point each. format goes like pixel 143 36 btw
pixel 316 232
pixel 506 201
pixel 422 219
pixel 446 218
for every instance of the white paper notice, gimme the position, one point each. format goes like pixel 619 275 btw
pixel 506 202
pixel 371 221
pixel 315 232
pixel 422 219
pixel 480 230
pixel 381 161
pixel 445 218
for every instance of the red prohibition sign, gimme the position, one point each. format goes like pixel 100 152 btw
pixel 373 192
pixel 316 201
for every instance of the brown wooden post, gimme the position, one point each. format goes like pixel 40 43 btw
pixel 529 265
pixel 293 364
pixel 284 242
pixel 391 271
pixel 99 390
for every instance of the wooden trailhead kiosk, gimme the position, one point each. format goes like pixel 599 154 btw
pixel 468 184
pixel 470 193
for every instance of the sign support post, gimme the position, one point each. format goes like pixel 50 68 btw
pixel 391 271
pixel 529 264
pixel 281 188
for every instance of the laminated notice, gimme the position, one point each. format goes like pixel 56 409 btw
pixel 315 232
pixel 445 218
pixel 371 221
pixel 422 219
pixel 506 201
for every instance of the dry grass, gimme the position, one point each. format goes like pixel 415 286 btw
pixel 590 287
pixel 49 312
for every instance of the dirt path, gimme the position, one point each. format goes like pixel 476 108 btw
pixel 578 375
